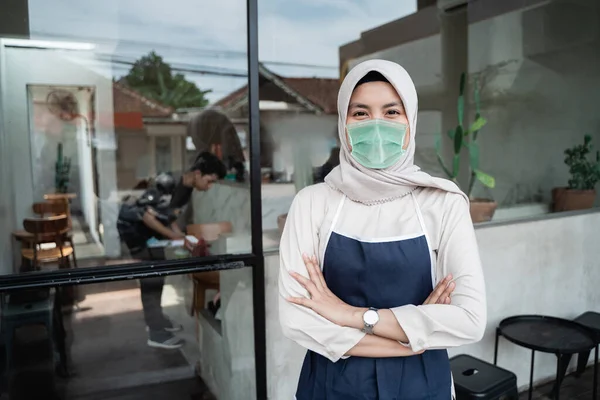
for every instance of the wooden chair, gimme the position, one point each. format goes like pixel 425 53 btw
pixel 46 231
pixel 54 208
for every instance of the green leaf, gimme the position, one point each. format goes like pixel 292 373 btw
pixel 461 109
pixel 462 83
pixel 458 139
pixel 474 155
pixel 455 165
pixel 477 125
pixel 486 179
pixel 451 133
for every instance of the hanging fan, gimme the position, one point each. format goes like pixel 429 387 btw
pixel 64 105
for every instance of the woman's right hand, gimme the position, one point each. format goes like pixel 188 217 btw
pixel 441 293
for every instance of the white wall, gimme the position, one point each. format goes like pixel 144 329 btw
pixel 22 67
pixel 549 266
pixel 307 136
pixel 535 107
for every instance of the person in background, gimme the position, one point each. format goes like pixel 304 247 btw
pixel 206 170
pixel 162 212
pixel 140 220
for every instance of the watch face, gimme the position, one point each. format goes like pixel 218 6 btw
pixel 371 317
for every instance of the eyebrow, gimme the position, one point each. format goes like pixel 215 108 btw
pixel 358 105
pixel 388 105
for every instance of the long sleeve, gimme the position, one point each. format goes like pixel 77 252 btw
pixel 300 324
pixel 463 321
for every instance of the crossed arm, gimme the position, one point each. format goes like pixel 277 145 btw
pixel 388 337
pixel 314 318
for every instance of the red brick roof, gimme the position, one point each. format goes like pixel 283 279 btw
pixel 127 100
pixel 322 92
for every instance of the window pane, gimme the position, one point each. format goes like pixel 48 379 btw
pixel 114 148
pixel 111 103
pixel 132 339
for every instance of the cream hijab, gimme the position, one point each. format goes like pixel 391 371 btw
pixel 372 186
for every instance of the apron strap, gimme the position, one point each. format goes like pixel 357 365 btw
pixel 419 215
pixel 424 229
pixel 337 214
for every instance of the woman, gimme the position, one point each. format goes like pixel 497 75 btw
pixel 385 234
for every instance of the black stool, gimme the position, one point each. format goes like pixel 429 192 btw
pixel 477 379
pixel 591 320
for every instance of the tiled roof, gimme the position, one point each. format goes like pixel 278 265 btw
pixel 127 100
pixel 232 98
pixel 322 92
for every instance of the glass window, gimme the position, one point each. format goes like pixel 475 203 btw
pixel 116 148
pixel 522 67
pixel 149 338
pixel 528 71
pixel 117 120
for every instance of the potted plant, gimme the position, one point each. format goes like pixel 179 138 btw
pixel 581 193
pixel 62 169
pixel 465 139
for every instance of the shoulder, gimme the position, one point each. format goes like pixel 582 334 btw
pixel 316 194
pixel 440 202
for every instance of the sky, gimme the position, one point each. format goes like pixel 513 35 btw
pixel 211 34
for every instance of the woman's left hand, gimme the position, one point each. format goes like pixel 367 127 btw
pixel 321 300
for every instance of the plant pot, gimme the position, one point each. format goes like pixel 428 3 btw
pixel 281 222
pixel 565 199
pixel 482 210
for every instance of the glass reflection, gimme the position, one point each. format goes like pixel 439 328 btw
pixel 115 148
pixel 106 341
pixel 101 113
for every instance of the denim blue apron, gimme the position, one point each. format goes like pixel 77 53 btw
pixel 385 273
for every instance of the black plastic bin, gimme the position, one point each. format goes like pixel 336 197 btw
pixel 477 379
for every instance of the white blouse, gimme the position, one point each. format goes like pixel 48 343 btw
pixel 454 250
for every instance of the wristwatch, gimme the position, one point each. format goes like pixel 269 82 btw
pixel 370 318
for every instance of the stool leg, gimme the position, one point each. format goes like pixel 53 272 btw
pixel 496 347
pixel 595 389
pixel 562 362
pixel 582 359
pixel 531 375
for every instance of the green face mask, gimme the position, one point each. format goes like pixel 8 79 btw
pixel 377 143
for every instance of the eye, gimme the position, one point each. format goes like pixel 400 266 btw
pixel 394 112
pixel 359 114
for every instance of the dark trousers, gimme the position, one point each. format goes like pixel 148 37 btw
pixel 151 290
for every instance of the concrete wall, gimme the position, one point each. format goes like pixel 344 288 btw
pixel 522 265
pixel 538 97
